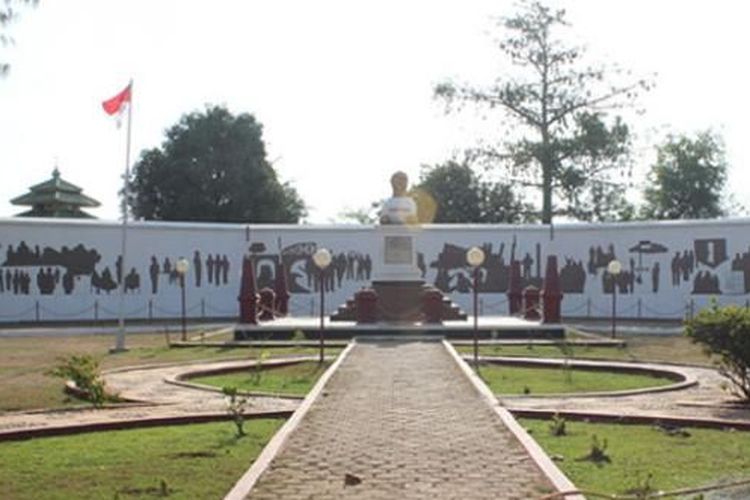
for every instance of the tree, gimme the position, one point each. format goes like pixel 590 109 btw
pixel 457 195
pixel 688 179
pixel 725 333
pixel 8 13
pixel 557 110
pixel 212 167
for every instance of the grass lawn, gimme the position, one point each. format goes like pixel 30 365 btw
pixel 704 457
pixel 504 379
pixel 296 379
pixel 194 461
pixel 24 362
pixel 662 348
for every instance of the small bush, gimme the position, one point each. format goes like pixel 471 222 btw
pixel 598 453
pixel 557 426
pixel 236 405
pixel 725 332
pixel 84 371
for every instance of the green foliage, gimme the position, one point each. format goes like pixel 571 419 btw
pixel 84 371
pixel 458 195
pixel 257 368
pixel 212 167
pixel 557 426
pixel 598 452
pixel 688 179
pixel 293 379
pixel 9 11
pixel 563 142
pixel 236 405
pixel 725 333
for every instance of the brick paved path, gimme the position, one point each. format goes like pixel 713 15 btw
pixel 404 420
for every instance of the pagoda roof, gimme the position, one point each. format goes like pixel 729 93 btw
pixel 55 192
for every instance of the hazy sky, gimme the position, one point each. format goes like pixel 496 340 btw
pixel 343 88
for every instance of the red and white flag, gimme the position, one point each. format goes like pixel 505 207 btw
pixel 118 104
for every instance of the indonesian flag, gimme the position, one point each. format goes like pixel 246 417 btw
pixel 118 104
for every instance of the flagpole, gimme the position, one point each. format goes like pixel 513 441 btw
pixel 120 342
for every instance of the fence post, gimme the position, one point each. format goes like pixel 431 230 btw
pixel 692 308
pixel 96 310
pixel 481 307
pixel 36 311
pixel 588 307
pixel 639 308
pixel 203 308
pixel 150 309
pixel 312 307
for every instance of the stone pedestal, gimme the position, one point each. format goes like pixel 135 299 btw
pixel 396 257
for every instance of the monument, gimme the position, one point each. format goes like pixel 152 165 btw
pixel 398 289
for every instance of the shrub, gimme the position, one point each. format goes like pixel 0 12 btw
pixel 236 405
pixel 85 373
pixel 725 332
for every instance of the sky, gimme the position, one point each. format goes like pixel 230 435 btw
pixel 343 89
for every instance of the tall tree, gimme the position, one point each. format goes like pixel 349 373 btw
pixel 562 141
pixel 688 179
pixel 212 167
pixel 453 193
pixel 9 10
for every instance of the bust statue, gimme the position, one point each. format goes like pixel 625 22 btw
pixel 399 208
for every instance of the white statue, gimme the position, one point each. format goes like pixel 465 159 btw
pixel 400 208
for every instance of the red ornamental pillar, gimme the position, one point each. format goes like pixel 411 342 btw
pixel 515 296
pixel 248 295
pixel 366 306
pixel 432 306
pixel 551 293
pixel 267 299
pixel 281 289
pixel 531 303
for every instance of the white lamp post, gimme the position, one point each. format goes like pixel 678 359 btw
pixel 182 267
pixel 475 258
pixel 322 259
pixel 614 268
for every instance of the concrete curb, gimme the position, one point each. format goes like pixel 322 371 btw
pixel 684 380
pixel 242 487
pixel 548 468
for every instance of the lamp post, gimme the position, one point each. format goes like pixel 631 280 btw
pixel 322 259
pixel 182 267
pixel 614 268
pixel 475 258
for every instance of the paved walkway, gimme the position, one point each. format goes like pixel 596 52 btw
pixel 147 384
pixel 401 421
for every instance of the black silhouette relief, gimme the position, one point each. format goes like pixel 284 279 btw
pixel 210 268
pixel 706 283
pixel 682 266
pixel 711 252
pixel 572 276
pixel 599 259
pixel 625 282
pixel 302 274
pixel 132 281
pixel 79 260
pixel 45 280
pixel 153 272
pixel 103 281
pixel 197 268
pixel 655 277
pixel 741 262
pixel 644 248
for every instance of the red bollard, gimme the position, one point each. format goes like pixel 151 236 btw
pixel 551 293
pixel 267 299
pixel 366 306
pixel 248 296
pixel 281 289
pixel 515 297
pixel 531 303
pixel 432 306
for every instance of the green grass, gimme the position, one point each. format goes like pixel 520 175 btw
pixel 296 379
pixel 704 457
pixel 195 461
pixel 25 361
pixel 510 380
pixel 652 348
